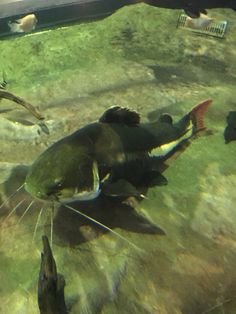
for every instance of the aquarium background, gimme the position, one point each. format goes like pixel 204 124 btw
pixel 135 58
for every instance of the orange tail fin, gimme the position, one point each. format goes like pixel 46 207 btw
pixel 197 114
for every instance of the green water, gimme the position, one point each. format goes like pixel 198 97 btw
pixel 135 58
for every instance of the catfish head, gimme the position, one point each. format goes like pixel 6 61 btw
pixel 66 171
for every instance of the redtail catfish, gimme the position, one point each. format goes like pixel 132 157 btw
pixel 96 158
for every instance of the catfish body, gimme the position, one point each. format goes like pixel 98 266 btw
pixel 79 165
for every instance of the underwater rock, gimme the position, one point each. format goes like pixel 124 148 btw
pixel 15 131
pixel 215 214
pixel 22 130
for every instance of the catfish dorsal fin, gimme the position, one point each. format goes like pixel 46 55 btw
pixel 120 115
pixel 197 114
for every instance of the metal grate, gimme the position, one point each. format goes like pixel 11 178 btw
pixel 216 28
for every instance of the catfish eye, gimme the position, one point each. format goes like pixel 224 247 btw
pixel 54 189
pixel 58 185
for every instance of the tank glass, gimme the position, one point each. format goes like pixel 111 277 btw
pixel 131 216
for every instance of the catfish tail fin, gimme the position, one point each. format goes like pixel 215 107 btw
pixel 197 114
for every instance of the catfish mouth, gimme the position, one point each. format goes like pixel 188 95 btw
pixel 64 194
pixel 72 194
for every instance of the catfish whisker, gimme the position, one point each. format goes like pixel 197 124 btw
pixel 217 306
pixel 13 210
pixel 12 195
pixel 37 222
pixel 27 209
pixel 102 225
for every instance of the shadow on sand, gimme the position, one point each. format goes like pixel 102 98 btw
pixel 72 228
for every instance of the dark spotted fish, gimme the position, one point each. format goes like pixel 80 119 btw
pixel 230 130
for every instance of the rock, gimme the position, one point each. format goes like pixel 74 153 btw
pixel 10 130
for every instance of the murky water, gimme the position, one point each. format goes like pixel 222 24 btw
pixel 135 58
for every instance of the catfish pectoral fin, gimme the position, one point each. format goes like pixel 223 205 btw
pixel 120 188
pixel 153 178
pixel 50 284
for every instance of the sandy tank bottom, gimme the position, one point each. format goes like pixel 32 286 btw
pixel 136 58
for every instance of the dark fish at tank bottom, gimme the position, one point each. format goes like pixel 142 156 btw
pixel 193 8
pixel 96 158
pixel 50 284
pixel 230 130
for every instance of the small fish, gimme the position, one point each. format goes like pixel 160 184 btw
pixel 43 127
pixel 201 22
pixel 25 25
pixel 81 165
pixel 230 130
